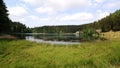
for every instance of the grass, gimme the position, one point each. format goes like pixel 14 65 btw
pixel 25 54
pixel 111 35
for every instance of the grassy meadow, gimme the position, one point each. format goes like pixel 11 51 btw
pixel 25 54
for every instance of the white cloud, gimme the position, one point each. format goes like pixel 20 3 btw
pixel 33 2
pixel 77 17
pixel 67 3
pixel 109 5
pixel 17 11
pixel 33 17
pixel 37 18
pixel 103 14
pixel 99 1
pixel 34 20
pixel 58 5
pixel 70 19
pixel 22 20
pixel 113 4
pixel 58 2
pixel 47 10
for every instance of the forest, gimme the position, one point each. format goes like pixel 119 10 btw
pixel 7 26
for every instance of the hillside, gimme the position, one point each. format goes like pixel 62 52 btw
pixel 111 22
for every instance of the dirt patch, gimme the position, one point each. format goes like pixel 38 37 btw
pixel 8 37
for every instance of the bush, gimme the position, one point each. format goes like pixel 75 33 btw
pixel 90 34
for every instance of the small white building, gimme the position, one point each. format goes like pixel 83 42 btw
pixel 78 33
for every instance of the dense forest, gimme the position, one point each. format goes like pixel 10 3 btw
pixel 57 29
pixel 8 26
pixel 111 22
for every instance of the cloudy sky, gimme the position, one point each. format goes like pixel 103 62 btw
pixel 35 13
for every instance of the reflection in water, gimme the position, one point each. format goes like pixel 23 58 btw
pixel 32 38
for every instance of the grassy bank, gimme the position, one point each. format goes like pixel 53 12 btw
pixel 25 54
pixel 111 35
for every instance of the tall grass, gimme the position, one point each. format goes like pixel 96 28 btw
pixel 111 35
pixel 25 54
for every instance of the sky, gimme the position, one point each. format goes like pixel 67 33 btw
pixel 35 13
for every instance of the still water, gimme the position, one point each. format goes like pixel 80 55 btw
pixel 51 38
pixel 32 38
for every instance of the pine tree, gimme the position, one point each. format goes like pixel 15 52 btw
pixel 4 20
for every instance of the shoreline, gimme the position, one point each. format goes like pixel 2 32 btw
pixel 7 36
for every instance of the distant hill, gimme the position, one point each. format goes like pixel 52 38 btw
pixel 111 22
pixel 56 29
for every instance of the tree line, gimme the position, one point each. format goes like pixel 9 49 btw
pixel 108 23
pixel 8 26
pixel 57 29
pixel 111 22
pixel 62 28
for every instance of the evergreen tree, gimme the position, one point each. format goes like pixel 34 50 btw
pixel 4 20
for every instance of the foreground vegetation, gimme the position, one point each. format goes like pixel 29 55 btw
pixel 25 54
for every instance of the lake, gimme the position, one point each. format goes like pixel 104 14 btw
pixel 52 38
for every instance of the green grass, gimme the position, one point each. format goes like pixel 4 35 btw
pixel 25 54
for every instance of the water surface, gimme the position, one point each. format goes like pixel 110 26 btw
pixel 32 38
pixel 52 38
